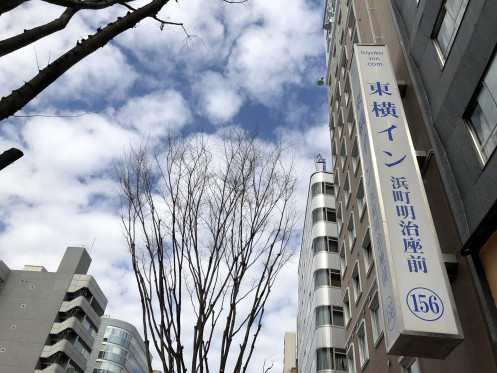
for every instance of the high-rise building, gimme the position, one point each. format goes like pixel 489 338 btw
pixel 443 57
pixel 320 320
pixel 49 320
pixel 118 348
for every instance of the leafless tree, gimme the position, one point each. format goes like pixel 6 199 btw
pixel 129 18
pixel 208 224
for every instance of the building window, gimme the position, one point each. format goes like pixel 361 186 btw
pixel 351 232
pixel 362 343
pixel 351 359
pixel 334 157
pixel 322 188
pixel 325 243
pixel 340 123
pixel 409 364
pixel 336 182
pixel 361 199
pixel 343 260
pixel 326 277
pixel 351 122
pixel 351 23
pixel 337 95
pixel 483 116
pixel 368 252
pixel 355 156
pixel 329 315
pixel 346 189
pixel 331 359
pixel 346 92
pixel 323 214
pixel 343 62
pixel 376 318
pixel 82 349
pixel 343 155
pixel 339 218
pixel 356 282
pixel 346 307
pixel 447 24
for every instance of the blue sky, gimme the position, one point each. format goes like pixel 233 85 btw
pixel 253 65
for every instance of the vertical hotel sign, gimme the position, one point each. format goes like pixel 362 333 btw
pixel 419 314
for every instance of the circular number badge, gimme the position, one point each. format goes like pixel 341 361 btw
pixel 425 304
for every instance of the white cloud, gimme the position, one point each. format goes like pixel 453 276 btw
pixel 155 114
pixel 218 100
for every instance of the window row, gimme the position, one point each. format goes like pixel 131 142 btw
pixel 331 359
pixel 482 113
pixel 324 214
pixel 329 315
pixel 322 188
pixel 362 339
pixel 327 277
pixel 367 252
pixel 325 243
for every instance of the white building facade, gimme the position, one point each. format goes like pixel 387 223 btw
pixel 320 320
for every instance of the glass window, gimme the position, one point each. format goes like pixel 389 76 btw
pixel 355 156
pixel 82 349
pixel 343 63
pixel 328 315
pixel 376 318
pixel 343 260
pixel 325 243
pixel 362 344
pixel 351 232
pixel 340 123
pixel 361 198
pixel 356 282
pixel 447 25
pixel 334 157
pixel 339 218
pixel 343 155
pixel 351 22
pixel 323 213
pixel 346 189
pixel 338 316
pixel 335 279
pixel 324 359
pixel 483 117
pixel 409 364
pixel 331 359
pixel 329 189
pixel 368 252
pixel 346 306
pixel 326 277
pixel 321 278
pixel 331 215
pixel 351 359
pixel 316 188
pixel 351 122
pixel 322 188
pixel 340 360
pixel 323 315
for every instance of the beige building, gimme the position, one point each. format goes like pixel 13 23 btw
pixel 290 353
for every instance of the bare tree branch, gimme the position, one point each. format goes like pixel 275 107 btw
pixel 20 97
pixel 85 4
pixel 212 224
pixel 30 36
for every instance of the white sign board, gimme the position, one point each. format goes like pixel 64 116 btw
pixel 418 307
